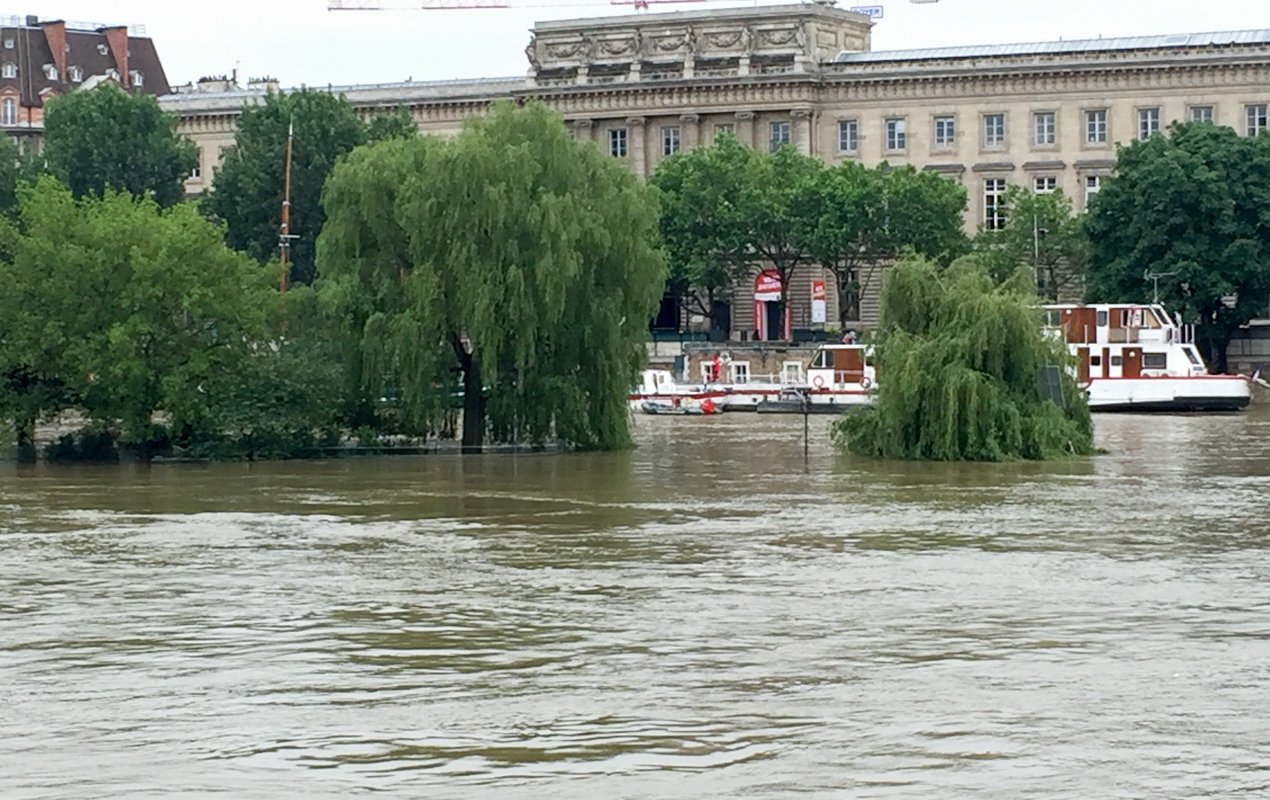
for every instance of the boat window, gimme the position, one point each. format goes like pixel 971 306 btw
pixel 1053 318
pixel 1116 361
pixel 1102 319
pixel 821 361
pixel 1194 357
pixel 740 372
pixel 1150 320
pixel 1095 361
pixel 1155 360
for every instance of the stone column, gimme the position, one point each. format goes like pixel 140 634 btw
pixel 745 128
pixel 583 129
pixel 801 134
pixel 689 131
pixel 635 149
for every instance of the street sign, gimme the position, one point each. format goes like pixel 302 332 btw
pixel 869 11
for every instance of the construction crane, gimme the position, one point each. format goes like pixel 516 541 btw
pixel 450 5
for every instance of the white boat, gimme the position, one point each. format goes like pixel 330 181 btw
pixel 838 376
pixel 1137 358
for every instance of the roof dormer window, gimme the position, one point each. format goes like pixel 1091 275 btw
pixel 76 73
pixel 8 44
pixel 9 70
pixel 50 72
pixel 138 80
pixel 103 49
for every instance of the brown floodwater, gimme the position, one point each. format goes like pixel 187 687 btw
pixel 708 616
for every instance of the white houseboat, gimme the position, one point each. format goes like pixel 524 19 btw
pixel 1137 358
pixel 837 377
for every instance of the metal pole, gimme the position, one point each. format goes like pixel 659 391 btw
pixel 284 235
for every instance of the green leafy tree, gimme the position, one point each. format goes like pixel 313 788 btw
pixel 104 139
pixel 247 192
pixel 730 211
pixel 1191 209
pixel 1043 234
pixel 17 166
pixel 399 125
pixel 960 358
pixel 702 227
pixel 114 305
pixel 510 261
pixel 866 217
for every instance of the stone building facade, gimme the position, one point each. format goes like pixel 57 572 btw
pixel 1045 115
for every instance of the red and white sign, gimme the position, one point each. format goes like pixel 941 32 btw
pixel 818 315
pixel 767 287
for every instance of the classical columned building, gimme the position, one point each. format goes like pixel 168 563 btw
pixel 1044 115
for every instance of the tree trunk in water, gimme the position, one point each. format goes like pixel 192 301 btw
pixel 25 439
pixel 473 398
pixel 473 407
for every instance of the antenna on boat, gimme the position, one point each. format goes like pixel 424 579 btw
pixel 284 231
pixel 1154 277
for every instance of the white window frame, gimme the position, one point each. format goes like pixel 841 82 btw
pixel 8 44
pixel 50 71
pixel 1045 184
pixel 8 111
pixel 740 372
pixel 778 134
pixel 1256 118
pixel 669 140
pixel 1045 128
pixel 994 131
pixel 896 129
pixel 724 127
pixel 1092 185
pixel 76 74
pixel 196 173
pixel 1097 126
pixel 944 131
pixel 618 142
pixel 1149 121
pixel 1203 114
pixel 994 203
pixel 137 78
pixel 848 136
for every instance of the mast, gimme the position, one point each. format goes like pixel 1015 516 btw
pixel 284 233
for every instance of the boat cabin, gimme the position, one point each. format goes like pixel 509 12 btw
pixel 1124 341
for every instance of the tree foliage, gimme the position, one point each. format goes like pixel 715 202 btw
pixel 730 210
pixel 864 218
pixel 398 125
pixel 104 139
pixel 114 306
pixel 959 360
pixel 1193 208
pixel 509 258
pixel 247 192
pixel 1043 234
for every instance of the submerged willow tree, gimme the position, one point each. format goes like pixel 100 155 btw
pixel 960 362
pixel 510 262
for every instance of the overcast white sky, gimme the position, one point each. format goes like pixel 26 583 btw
pixel 299 41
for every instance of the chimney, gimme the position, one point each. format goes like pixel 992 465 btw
pixel 32 21
pixel 55 35
pixel 117 38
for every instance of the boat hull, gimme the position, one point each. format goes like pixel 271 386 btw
pixel 1195 394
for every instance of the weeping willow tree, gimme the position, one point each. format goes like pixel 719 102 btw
pixel 510 263
pixel 960 360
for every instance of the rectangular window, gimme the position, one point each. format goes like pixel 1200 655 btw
pixel 1096 126
pixel 722 128
pixel 896 134
pixel 617 142
pixel 9 111
pixel 848 136
pixel 740 372
pixel 76 74
pixel 1155 360
pixel 1092 184
pixel 1148 122
pixel 8 44
pixel 1046 184
pixel 196 173
pixel 1202 114
pixel 945 131
pixel 9 70
pixel 1045 128
pixel 994 130
pixel 779 135
pixel 670 140
pixel 994 204
pixel 1257 119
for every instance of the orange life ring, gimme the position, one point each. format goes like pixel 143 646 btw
pixel 818 381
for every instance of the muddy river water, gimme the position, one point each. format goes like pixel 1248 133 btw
pixel 711 615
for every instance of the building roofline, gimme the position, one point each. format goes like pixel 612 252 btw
pixel 757 13
pixel 1064 47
